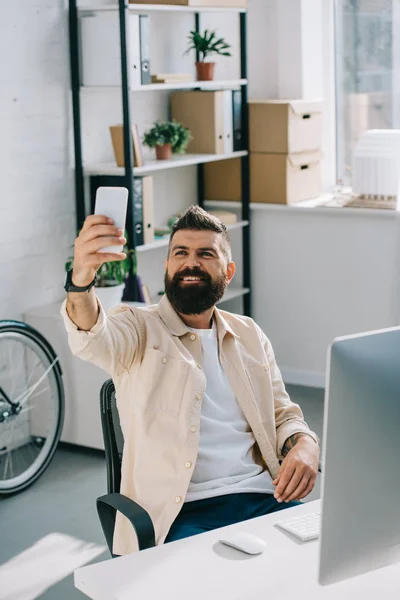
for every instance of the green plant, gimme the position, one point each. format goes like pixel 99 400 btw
pixel 207 44
pixel 168 132
pixel 112 273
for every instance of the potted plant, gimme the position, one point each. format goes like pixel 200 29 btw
pixel 168 137
pixel 111 278
pixel 205 45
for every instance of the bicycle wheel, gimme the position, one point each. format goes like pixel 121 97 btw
pixel 31 405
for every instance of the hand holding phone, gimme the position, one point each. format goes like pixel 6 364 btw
pixel 112 202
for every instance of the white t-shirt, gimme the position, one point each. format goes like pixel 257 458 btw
pixel 225 463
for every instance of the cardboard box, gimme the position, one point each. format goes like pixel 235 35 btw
pixel 212 3
pixel 285 178
pixel 223 180
pixel 285 126
pixel 274 178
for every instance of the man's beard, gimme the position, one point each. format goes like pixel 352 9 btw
pixel 194 299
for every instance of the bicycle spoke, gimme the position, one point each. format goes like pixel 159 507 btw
pixel 40 392
pixel 22 398
pixel 38 362
pixel 12 362
pixel 9 453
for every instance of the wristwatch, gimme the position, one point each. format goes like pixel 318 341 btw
pixel 70 287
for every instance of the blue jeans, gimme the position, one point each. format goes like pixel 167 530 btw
pixel 204 515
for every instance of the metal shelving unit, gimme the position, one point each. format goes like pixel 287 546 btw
pixel 110 174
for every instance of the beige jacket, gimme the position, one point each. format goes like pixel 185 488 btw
pixel 156 364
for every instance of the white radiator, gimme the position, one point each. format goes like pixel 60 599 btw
pixel 376 165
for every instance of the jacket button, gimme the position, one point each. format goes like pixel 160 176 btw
pixel 164 360
pixel 192 337
pixel 178 499
pixel 188 464
pixel 193 429
pixel 198 396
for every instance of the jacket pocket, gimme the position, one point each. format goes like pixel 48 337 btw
pixel 259 378
pixel 162 381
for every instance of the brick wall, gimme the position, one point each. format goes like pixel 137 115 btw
pixel 37 210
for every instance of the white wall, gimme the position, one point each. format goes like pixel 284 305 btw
pixel 36 203
pixel 325 273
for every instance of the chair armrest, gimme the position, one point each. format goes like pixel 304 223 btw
pixel 140 519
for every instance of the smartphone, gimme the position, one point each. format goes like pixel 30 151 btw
pixel 112 202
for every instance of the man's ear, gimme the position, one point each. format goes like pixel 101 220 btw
pixel 230 271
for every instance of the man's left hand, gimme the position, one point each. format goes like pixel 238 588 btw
pixel 298 472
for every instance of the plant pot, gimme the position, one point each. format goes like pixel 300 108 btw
pixel 205 71
pixel 110 296
pixel 164 152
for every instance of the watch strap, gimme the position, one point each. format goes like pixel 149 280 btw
pixel 70 287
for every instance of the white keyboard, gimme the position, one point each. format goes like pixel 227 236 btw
pixel 305 528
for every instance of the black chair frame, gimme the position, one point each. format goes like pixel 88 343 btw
pixel 109 504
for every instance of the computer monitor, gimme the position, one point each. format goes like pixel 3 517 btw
pixel 360 518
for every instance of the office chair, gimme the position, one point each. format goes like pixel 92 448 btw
pixel 108 505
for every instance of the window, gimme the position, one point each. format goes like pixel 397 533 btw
pixel 367 73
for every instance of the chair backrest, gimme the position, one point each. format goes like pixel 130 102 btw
pixel 112 434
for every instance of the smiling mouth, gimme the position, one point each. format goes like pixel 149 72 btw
pixel 189 280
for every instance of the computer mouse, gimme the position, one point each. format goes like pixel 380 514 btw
pixel 245 542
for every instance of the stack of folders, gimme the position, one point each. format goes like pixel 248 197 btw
pixel 100 49
pixel 213 117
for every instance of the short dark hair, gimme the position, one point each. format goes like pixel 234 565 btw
pixel 196 218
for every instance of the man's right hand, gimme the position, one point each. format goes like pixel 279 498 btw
pixel 97 232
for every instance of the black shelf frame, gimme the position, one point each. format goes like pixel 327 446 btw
pixel 127 179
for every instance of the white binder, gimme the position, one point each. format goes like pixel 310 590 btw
pixel 100 49
pixel 148 210
pixel 228 121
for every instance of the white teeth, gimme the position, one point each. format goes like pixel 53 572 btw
pixel 191 279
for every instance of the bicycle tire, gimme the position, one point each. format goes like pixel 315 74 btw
pixel 23 329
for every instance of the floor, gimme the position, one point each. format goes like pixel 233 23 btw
pixel 63 499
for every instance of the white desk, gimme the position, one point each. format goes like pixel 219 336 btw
pixel 201 568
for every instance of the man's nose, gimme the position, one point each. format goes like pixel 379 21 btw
pixel 192 261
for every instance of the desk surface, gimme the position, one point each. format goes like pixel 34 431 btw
pixel 201 567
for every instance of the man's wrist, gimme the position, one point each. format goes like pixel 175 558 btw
pixel 296 438
pixel 82 279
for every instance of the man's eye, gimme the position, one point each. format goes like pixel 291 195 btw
pixel 179 252
pixel 206 253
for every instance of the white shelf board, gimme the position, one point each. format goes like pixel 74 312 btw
pixel 145 8
pixel 315 205
pixel 152 166
pixel 225 84
pixel 222 204
pixel 161 243
pixel 232 293
pixel 237 225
